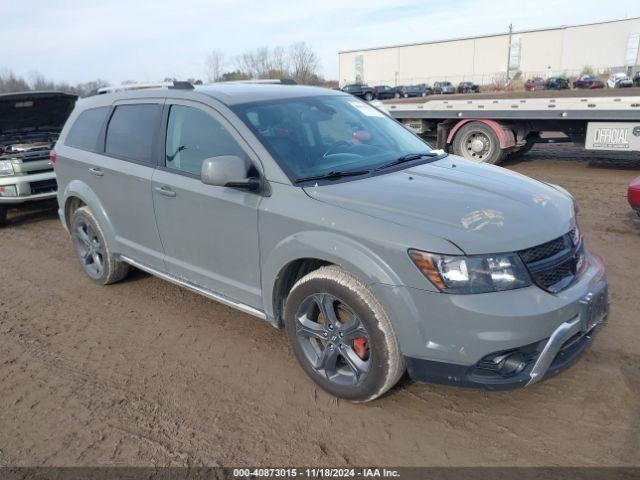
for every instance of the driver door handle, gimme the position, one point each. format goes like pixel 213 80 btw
pixel 97 172
pixel 166 191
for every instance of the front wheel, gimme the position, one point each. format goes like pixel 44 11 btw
pixel 342 336
pixel 368 96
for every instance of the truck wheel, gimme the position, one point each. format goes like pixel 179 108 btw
pixel 476 141
pixel 368 96
pixel 92 250
pixel 3 215
pixel 342 336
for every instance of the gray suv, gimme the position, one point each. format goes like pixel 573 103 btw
pixel 317 212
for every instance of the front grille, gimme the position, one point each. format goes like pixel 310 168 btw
pixel 43 186
pixel 543 251
pixel 554 265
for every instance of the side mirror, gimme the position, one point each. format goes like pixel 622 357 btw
pixel 228 171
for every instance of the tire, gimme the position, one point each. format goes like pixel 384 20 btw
pixel 92 250
pixel 465 144
pixel 396 95
pixel 368 96
pixel 3 216
pixel 362 354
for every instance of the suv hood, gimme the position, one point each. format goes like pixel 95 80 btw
pixel 479 208
pixel 31 111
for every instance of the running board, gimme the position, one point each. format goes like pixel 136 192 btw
pixel 196 288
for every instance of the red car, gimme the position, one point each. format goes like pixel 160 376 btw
pixel 535 83
pixel 587 81
pixel 633 195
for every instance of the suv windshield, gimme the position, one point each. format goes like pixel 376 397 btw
pixel 319 136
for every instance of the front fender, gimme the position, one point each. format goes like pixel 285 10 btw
pixel 329 247
pixel 79 189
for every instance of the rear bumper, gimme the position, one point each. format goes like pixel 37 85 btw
pixel 29 188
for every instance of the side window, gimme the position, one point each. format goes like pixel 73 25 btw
pixel 193 136
pixel 131 131
pixel 86 129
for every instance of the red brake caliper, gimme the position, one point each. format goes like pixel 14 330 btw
pixel 360 347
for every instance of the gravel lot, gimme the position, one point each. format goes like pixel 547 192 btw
pixel 145 373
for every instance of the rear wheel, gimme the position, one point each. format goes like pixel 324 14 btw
pixel 3 215
pixel 368 96
pixel 477 142
pixel 342 336
pixel 92 250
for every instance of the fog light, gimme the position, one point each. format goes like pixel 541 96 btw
pixel 8 191
pixel 512 364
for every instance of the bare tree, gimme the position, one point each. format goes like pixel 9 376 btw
pixel 304 64
pixel 214 65
pixel 11 83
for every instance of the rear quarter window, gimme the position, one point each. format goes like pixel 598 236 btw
pixel 131 131
pixel 86 129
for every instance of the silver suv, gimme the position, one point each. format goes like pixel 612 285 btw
pixel 319 213
pixel 30 123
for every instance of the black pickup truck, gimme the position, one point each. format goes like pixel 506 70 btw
pixel 359 90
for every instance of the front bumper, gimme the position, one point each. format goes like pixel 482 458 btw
pixel 453 339
pixel 29 188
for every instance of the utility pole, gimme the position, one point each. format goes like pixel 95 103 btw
pixel 509 52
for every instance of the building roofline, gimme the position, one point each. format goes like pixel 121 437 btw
pixel 489 35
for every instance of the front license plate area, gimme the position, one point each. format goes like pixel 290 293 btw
pixel 593 309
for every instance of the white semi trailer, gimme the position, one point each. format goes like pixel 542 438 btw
pixel 487 127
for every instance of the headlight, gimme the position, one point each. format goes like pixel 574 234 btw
pixel 474 273
pixel 6 168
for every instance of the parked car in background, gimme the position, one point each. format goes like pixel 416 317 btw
pixel 316 212
pixel 557 83
pixel 468 87
pixel 588 81
pixel 636 79
pixel 421 90
pixel 440 88
pixel 385 92
pixel 633 195
pixel 360 90
pixel 535 83
pixel 619 80
pixel 30 123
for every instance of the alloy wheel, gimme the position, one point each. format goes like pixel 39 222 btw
pixel 334 339
pixel 89 249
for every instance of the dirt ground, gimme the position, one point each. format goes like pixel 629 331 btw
pixel 146 373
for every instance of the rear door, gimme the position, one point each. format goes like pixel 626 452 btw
pixel 121 176
pixel 209 233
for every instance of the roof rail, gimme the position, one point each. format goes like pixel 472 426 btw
pixel 180 85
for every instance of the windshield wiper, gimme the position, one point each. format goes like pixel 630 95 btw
pixel 410 157
pixel 333 174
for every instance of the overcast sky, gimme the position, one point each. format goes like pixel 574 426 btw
pixel 80 40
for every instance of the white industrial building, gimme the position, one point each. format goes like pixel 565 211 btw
pixel 604 46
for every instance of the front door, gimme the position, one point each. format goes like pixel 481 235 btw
pixel 209 233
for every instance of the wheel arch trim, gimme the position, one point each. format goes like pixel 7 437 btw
pixel 82 191
pixel 325 247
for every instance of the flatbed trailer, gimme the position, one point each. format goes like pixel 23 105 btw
pixel 489 126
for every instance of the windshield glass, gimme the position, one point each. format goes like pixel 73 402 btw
pixel 314 136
